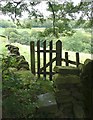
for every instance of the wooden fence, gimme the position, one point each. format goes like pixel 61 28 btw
pixel 58 58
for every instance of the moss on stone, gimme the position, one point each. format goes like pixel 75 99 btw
pixel 64 79
pixel 64 70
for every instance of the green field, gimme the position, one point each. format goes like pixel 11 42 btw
pixel 25 49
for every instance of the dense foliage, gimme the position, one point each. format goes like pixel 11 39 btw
pixel 59 10
pixel 79 42
pixel 20 90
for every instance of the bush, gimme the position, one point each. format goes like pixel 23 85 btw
pixel 24 38
pixel 78 42
pixel 27 24
pixel 15 36
pixel 20 90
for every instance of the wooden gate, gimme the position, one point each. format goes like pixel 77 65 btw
pixel 58 58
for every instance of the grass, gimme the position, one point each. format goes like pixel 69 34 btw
pixel 25 50
pixel 3 42
pixel 2 30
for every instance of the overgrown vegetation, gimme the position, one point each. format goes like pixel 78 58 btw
pixel 20 90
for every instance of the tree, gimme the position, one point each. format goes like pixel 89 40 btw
pixel 15 9
pixel 64 11
pixel 86 10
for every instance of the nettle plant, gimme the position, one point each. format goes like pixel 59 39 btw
pixel 19 94
pixel 17 100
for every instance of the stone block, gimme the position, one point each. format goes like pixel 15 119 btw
pixel 64 99
pixel 64 70
pixel 65 86
pixel 66 106
pixel 77 95
pixel 47 103
pixel 67 99
pixel 78 102
pixel 78 111
pixel 68 113
pixel 64 79
pixel 63 92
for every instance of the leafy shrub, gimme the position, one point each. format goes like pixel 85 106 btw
pixel 17 99
pixel 65 28
pixel 24 38
pixel 49 31
pixel 15 36
pixel 78 42
pixel 20 90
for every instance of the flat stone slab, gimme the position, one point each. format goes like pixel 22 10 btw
pixel 66 70
pixel 47 102
pixel 46 99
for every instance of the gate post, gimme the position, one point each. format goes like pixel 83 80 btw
pixel 77 59
pixel 38 58
pixel 58 53
pixel 66 58
pixel 32 55
pixel 44 58
pixel 50 59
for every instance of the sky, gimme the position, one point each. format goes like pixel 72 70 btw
pixel 41 7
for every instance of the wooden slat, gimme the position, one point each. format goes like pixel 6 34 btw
pixel 32 51
pixel 38 58
pixel 53 51
pixel 48 64
pixel 50 59
pixel 70 61
pixel 44 60
pixel 66 58
pixel 48 73
pixel 58 58
pixel 58 53
pixel 77 59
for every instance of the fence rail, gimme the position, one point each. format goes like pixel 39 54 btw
pixel 58 59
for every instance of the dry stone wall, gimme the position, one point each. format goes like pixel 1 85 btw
pixel 68 93
pixel 20 62
pixel 87 88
